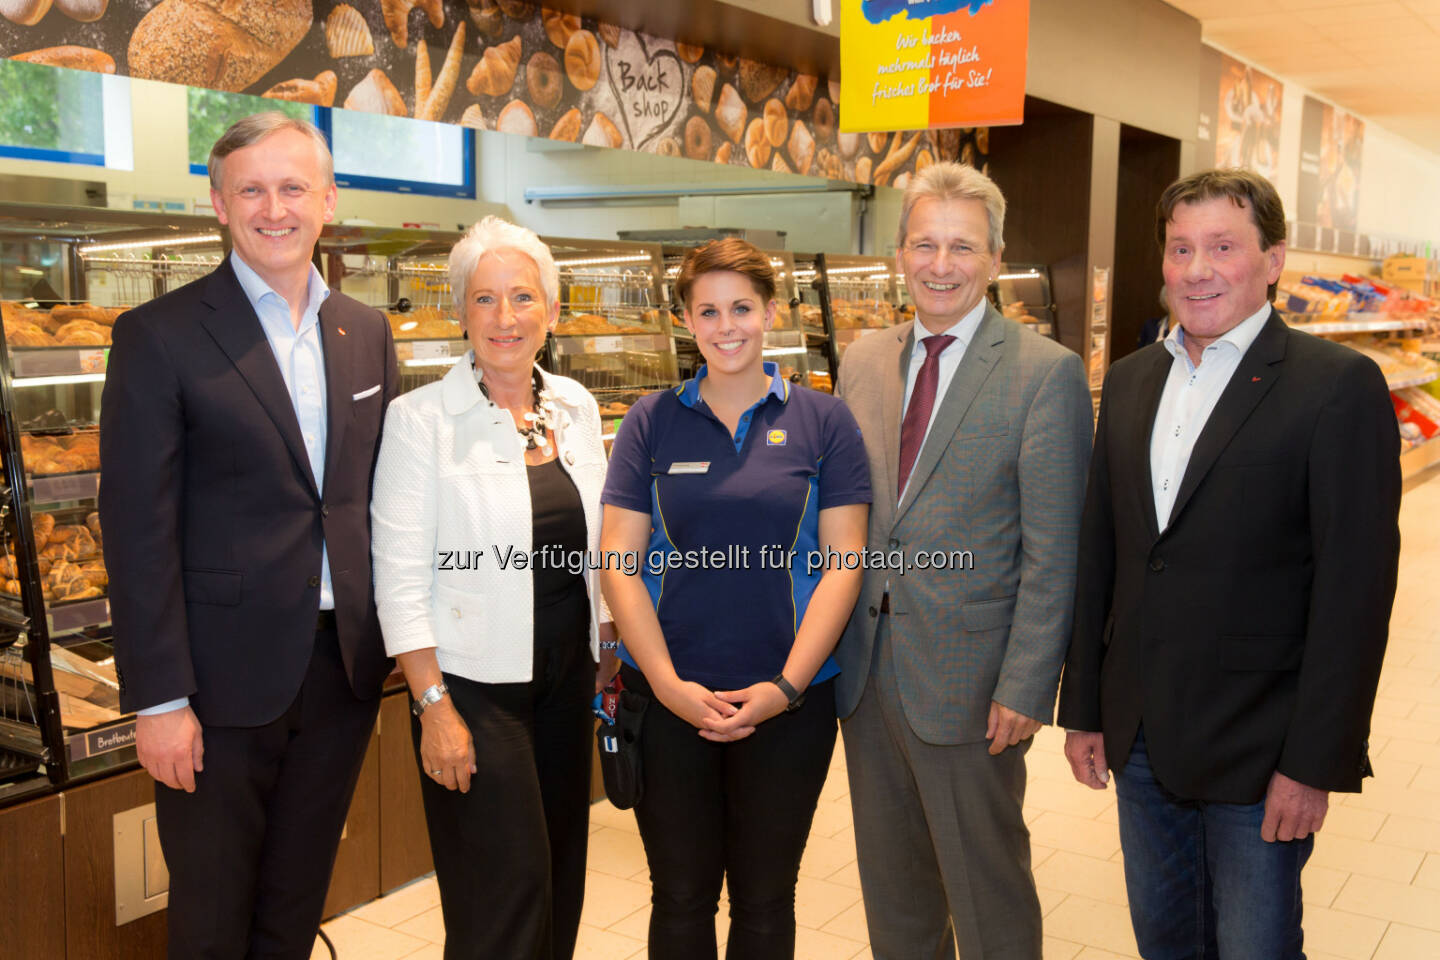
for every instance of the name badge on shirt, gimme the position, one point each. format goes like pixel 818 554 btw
pixel 690 466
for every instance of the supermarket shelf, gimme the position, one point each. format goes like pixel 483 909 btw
pixel 1410 379
pixel 1357 323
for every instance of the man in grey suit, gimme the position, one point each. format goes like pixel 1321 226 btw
pixel 978 433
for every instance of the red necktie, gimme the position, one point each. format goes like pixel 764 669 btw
pixel 922 401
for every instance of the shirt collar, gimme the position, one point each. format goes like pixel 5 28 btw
pixel 1239 336
pixel 689 391
pixel 962 330
pixel 256 289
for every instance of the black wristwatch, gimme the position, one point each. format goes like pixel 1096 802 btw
pixel 795 699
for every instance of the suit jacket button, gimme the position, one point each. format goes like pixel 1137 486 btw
pixel 1157 564
pixel 313 581
pixel 894 543
pixel 874 612
pixel 570 457
pixel 324 511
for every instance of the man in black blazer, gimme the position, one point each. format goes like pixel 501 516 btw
pixel 1238 555
pixel 239 428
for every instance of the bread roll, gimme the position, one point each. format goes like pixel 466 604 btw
pixel 730 113
pixel 76 58
pixel 347 34
pixel 702 88
pixel 220 44
pixel 582 60
pixel 757 144
pixel 517 118
pixel 27 13
pixel 567 128
pixel 759 80
pixel 802 92
pixel 559 26
pixel 777 122
pixel 473 117
pixel 602 132
pixel 376 94
pixel 801 147
pixel 86 11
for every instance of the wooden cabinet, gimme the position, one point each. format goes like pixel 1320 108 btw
pixel 404 842
pixel 356 878
pixel 32 884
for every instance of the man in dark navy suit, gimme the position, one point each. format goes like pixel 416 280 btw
pixel 239 428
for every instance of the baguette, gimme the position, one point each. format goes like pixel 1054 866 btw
pixel 220 44
pixel 438 98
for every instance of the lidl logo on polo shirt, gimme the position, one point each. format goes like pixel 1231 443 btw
pixel 775 438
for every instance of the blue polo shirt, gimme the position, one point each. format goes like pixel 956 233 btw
pixel 734 520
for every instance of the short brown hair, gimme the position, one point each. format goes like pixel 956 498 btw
pixel 250 130
pixel 1246 189
pixel 729 254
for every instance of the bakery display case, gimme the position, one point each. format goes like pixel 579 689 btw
pixel 615 329
pixel 1023 293
pixel 812 308
pixel 865 294
pixel 403 274
pixel 790 342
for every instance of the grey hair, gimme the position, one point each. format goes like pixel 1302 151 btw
pixel 955 181
pixel 248 131
pixel 487 236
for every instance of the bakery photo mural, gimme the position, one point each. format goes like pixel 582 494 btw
pixel 504 65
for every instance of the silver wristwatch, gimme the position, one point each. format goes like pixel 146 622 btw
pixel 430 696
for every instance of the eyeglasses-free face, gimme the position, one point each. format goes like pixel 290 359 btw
pixel 946 260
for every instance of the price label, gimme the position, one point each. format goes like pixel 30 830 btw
pixel 74 486
pixel 607 345
pixel 432 349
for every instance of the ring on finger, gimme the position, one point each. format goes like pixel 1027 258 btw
pixel 436 773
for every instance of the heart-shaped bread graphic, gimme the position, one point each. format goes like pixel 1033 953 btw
pixel 648 87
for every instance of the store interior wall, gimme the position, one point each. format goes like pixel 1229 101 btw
pixel 1149 162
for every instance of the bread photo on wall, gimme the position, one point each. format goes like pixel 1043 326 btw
pixel 397 17
pixel 76 58
pixel 220 45
pixel 347 34
pixel 319 92
pixel 376 94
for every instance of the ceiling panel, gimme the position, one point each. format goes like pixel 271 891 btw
pixel 1378 58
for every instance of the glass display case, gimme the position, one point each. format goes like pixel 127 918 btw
pixel 1023 293
pixel 66 274
pixel 812 307
pixel 865 294
pixel 615 330
pixel 790 342
pixel 404 275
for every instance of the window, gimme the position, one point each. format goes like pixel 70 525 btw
pixel 65 116
pixel 378 152
pixel 211 113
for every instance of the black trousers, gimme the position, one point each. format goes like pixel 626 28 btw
pixel 510 854
pixel 251 850
pixel 738 811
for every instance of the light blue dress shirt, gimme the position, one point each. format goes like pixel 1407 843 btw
pixel 301 359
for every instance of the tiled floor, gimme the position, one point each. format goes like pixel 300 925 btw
pixel 1372 889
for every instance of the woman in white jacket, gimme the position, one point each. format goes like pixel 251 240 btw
pixel 486 500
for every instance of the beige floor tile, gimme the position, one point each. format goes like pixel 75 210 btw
pixel 1052 948
pixel 1039 854
pixel 847 876
pixel 400 904
pixel 431 951
pixel 1412 751
pixel 1353 822
pixel 636 926
pixel 817 902
pixel 850 924
pixel 818 945
pixel 1391 707
pixel 1365 857
pixel 1320 884
pixel 1092 953
pixel 1076 834
pixel 1110 814
pixel 596 944
pixel 429 925
pixel 1388 900
pixel 1429 875
pixel 824 855
pixel 1427 712
pixel 603 813
pixel 1391 772
pixel 1408 943
pixel 1067 796
pixel 1407 689
pixel 831 816
pixel 1408 727
pixel 1390 798
pixel 1346 935
pixel 1086 876
pixel 608 899
pixel 1422 833
pixel 617 853
pixel 357 940
pixel 1093 923
pixel 1049 899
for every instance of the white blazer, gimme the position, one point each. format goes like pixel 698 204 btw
pixel 451 492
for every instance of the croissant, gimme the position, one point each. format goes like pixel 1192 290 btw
pixel 494 75
pixel 397 16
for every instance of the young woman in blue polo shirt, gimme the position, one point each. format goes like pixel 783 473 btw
pixel 734 488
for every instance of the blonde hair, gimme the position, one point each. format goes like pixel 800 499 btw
pixel 955 181
pixel 248 131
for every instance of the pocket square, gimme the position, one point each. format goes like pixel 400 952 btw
pixel 367 393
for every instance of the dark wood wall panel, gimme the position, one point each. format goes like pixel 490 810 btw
pixel 356 878
pixel 1149 162
pixel 404 842
pixel 90 873
pixel 32 883
pixel 1043 167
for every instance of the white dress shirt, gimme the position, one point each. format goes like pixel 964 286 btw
pixel 963 331
pixel 301 359
pixel 1190 395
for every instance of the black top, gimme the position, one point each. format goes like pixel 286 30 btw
pixel 557 537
